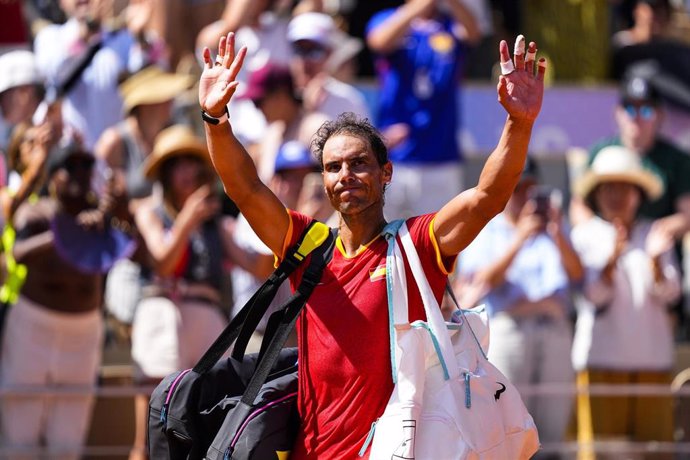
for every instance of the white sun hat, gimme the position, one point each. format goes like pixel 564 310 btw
pixel 618 164
pixel 18 68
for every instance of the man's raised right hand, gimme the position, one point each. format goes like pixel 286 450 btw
pixel 218 83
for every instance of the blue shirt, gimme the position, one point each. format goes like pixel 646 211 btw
pixel 536 271
pixel 419 87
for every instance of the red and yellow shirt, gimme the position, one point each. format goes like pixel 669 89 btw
pixel 344 359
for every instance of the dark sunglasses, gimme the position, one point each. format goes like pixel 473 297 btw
pixel 311 53
pixel 645 112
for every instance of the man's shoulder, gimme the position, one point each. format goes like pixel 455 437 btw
pixel 668 150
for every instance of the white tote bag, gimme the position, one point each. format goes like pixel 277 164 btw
pixel 449 402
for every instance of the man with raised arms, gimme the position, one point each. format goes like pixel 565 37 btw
pixel 345 371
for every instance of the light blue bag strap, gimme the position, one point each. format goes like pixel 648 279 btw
pixel 465 320
pixel 389 232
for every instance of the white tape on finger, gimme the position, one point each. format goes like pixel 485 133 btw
pixel 219 60
pixel 519 47
pixel 507 67
pixel 531 55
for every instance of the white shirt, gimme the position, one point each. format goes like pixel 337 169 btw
pixel 94 103
pixel 631 330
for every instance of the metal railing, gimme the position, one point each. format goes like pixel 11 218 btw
pixel 569 449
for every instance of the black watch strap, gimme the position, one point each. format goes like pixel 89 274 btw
pixel 213 120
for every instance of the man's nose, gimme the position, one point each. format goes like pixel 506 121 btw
pixel 346 173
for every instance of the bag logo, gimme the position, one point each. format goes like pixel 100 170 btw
pixel 283 454
pixel 497 395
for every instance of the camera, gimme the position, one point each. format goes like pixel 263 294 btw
pixel 545 198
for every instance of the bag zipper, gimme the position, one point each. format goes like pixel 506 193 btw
pixel 253 415
pixel 370 436
pixel 168 398
pixel 468 394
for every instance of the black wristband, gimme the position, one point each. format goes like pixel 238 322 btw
pixel 213 120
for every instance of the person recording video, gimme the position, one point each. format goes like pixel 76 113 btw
pixel 521 265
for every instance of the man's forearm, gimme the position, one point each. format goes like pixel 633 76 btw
pixel 262 209
pixel 231 161
pixel 503 168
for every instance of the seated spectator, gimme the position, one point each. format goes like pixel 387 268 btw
pixel 179 315
pixel 521 266
pixel 53 334
pixel 624 333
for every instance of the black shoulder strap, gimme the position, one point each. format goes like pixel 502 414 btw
pixel 312 274
pixel 290 311
pixel 260 301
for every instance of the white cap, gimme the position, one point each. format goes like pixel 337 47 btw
pixel 316 27
pixel 18 68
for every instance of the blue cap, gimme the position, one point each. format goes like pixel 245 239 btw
pixel 293 155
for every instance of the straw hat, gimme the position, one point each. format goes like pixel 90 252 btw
pixel 174 141
pixel 618 164
pixel 152 85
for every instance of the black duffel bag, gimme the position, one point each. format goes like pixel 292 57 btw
pixel 190 409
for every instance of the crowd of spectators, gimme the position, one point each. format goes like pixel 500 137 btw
pixel 114 223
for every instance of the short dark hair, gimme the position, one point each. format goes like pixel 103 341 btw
pixel 349 123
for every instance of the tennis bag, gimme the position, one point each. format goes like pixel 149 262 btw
pixel 257 392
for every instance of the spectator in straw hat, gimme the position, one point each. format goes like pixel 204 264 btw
pixel 147 104
pixel 623 333
pixel 179 315
pixel 639 114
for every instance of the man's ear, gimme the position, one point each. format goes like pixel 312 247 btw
pixel 387 172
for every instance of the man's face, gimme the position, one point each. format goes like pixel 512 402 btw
pixel 352 177
pixel 638 123
pixel 84 9
pixel 308 60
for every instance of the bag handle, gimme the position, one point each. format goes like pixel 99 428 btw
pixel 398 302
pixel 434 318
pixel 312 237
